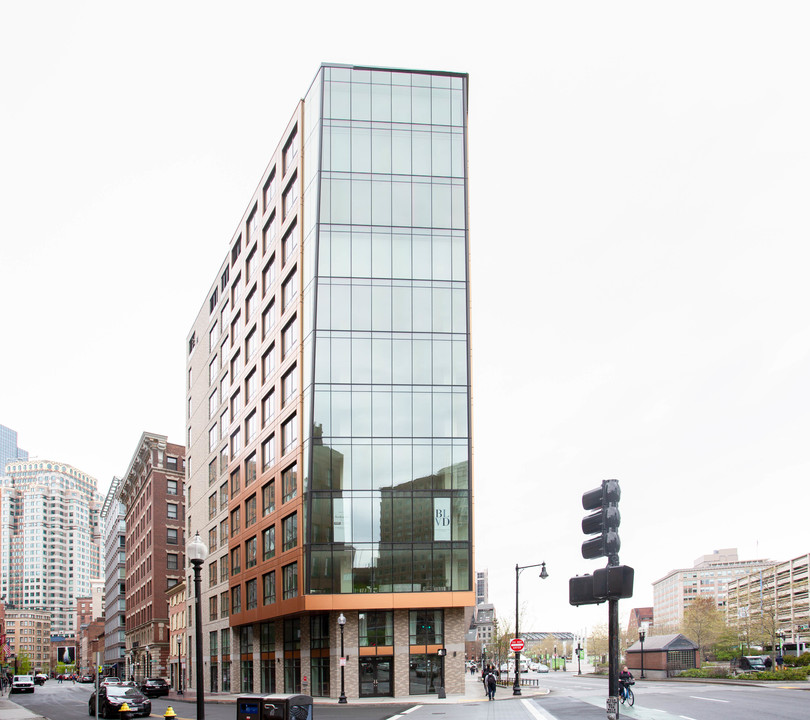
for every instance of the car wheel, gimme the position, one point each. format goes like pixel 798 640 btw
pixel 91 710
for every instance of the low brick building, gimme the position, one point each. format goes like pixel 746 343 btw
pixel 664 656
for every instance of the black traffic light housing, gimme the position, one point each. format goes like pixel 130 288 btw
pixel 609 583
pixel 603 523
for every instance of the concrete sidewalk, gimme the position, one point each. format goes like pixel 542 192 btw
pixel 473 692
pixel 11 711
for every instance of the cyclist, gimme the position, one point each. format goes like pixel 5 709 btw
pixel 625 681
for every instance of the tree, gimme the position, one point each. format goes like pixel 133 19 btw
pixel 598 642
pixel 703 622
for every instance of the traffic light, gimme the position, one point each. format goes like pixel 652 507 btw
pixel 608 583
pixel 603 522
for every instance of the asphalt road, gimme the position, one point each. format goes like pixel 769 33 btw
pixel 572 697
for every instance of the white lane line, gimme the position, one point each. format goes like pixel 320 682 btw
pixel 410 710
pixel 686 717
pixel 697 697
pixel 536 712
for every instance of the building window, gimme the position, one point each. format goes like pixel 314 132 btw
pixel 171 487
pixel 250 469
pixel 223 570
pixel 213 336
pixel 289 337
pixel 252 262
pixel 224 604
pixel 250 553
pixel 250 511
pixel 235 484
pixel 212 472
pixel 171 561
pixel 268 452
pixel 268 363
pixel 250 233
pixel 268 407
pixel 269 189
pixel 290 198
pixel 212 506
pixel 212 303
pixel 250 600
pixel 236 442
pixel 269 588
pixel 251 344
pixel 212 539
pixel 236 327
pixel 426 627
pixel 289 290
pixel 223 496
pixel 250 305
pixel 223 532
pixel 235 521
pixel 250 386
pixel 213 438
pixel 289 434
pixel 290 580
pixel 192 341
pixel 268 318
pixel 171 536
pixel 236 599
pixel 289 243
pixel 289 529
pixel 289 385
pixel 290 150
pixel 236 250
pixel 171 462
pixel 269 498
pixel 224 278
pixel 268 543
pixel 236 366
pixel 250 427
pixel 212 610
pixel 236 562
pixel 213 369
pixel 376 629
pixel 269 272
pixel 171 511
pixel 289 483
pixel 319 632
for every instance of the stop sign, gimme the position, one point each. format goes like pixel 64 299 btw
pixel 517 644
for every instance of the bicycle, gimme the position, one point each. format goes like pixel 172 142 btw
pixel 626 694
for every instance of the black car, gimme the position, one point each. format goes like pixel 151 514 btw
pixel 111 697
pixel 154 687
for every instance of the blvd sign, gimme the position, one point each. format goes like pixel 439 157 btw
pixel 517 644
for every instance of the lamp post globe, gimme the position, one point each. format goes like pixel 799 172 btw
pixel 197 552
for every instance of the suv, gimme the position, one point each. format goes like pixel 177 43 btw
pixel 22 683
pixel 154 687
pixel 747 663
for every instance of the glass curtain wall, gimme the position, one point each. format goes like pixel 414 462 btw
pixel 387 459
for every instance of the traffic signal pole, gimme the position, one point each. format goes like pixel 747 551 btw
pixel 613 652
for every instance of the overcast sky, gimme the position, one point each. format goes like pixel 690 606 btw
pixel 639 183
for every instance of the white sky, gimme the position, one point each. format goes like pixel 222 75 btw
pixel 639 191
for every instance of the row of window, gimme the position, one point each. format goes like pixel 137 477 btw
pixel 230 601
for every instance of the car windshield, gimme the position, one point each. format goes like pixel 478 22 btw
pixel 122 691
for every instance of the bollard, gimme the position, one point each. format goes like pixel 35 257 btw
pixel 169 713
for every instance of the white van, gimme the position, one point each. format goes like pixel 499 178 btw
pixel 22 683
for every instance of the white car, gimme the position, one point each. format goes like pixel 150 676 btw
pixel 22 683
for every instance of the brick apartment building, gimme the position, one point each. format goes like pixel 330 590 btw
pixel 152 492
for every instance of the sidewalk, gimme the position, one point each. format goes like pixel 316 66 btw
pixel 473 692
pixel 11 711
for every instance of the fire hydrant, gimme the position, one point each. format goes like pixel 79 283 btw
pixel 125 712
pixel 169 714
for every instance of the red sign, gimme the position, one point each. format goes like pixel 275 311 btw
pixel 517 644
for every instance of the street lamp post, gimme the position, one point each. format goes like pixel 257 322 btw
pixel 641 635
pixel 147 663
pixel 579 669
pixel 543 575
pixel 179 666
pixel 196 552
pixel 342 701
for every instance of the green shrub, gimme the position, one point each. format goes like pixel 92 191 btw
pixel 786 674
pixel 705 672
pixel 802 661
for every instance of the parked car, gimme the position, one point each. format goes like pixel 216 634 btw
pixel 22 683
pixel 541 668
pixel 154 687
pixel 40 678
pixel 111 681
pixel 747 663
pixel 111 697
pixel 87 679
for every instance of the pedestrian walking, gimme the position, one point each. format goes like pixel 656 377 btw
pixel 492 685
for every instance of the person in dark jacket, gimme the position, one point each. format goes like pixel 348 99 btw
pixel 492 685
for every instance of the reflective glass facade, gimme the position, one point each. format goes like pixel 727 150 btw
pixel 387 335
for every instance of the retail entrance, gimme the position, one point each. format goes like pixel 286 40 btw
pixel 377 676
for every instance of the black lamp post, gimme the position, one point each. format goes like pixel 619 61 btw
pixel 179 666
pixel 641 635
pixel 579 669
pixel 543 575
pixel 342 701
pixel 196 552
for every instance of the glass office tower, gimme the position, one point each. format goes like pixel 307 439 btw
pixel 352 403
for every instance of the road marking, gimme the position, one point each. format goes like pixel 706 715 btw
pixel 686 717
pixel 697 697
pixel 410 710
pixel 536 712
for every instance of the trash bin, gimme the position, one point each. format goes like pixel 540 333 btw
pixel 274 707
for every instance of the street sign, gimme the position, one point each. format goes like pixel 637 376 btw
pixel 612 707
pixel 517 644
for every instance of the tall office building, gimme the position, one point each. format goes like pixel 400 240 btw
pixel 329 400
pixel 50 539
pixel 9 450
